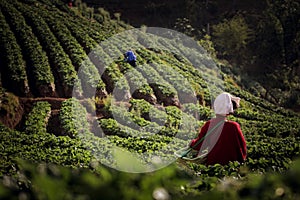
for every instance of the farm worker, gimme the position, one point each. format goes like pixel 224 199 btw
pixel 70 3
pixel 226 142
pixel 130 58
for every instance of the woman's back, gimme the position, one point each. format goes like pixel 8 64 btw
pixel 226 143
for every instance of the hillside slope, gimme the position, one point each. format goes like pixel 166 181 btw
pixel 148 112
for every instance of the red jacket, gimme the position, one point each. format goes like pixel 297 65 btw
pixel 226 143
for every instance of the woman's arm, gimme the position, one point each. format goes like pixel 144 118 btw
pixel 241 143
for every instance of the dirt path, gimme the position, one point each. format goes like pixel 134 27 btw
pixel 54 101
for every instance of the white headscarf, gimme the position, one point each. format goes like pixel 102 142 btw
pixel 223 104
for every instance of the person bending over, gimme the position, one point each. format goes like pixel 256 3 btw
pixel 130 58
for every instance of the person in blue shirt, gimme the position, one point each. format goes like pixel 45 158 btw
pixel 130 58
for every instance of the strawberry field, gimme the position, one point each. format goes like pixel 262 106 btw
pixel 77 121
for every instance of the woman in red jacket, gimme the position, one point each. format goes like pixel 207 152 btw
pixel 225 142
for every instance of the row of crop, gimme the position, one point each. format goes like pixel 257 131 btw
pixel 111 127
pixel 140 145
pixel 37 120
pixel 59 60
pixel 193 61
pixel 202 89
pixel 80 34
pixel 169 122
pixel 256 113
pixel 146 145
pixel 147 53
pixel 126 40
pixel 164 91
pixel 198 111
pixel 13 65
pixel 139 87
pixel 205 80
pixel 88 74
pixel 187 69
pixel 170 116
pixel 74 124
pixel 259 102
pixel 129 119
pixel 187 86
pixel 95 29
pixel 113 47
pixel 42 147
pixel 73 118
pixel 60 5
pixel 150 148
pixel 141 77
pixel 189 117
pixel 190 61
pixel 90 19
pixel 268 153
pixel 258 120
pixel 38 66
pixel 270 128
pixel 97 34
pixel 249 109
pixel 70 16
pixel 147 40
pixel 186 93
pixel 196 56
pixel 82 37
pixel 110 74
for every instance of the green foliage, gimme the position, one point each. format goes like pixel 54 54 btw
pixel 35 55
pixel 89 76
pixel 208 45
pixel 161 87
pixel 139 128
pixel 198 111
pixel 37 119
pixel 138 84
pixel 183 25
pixel 9 103
pixel 42 147
pixel 275 44
pixel 170 182
pixel 56 182
pixel 73 118
pixel 57 57
pixel 231 36
pixel 14 66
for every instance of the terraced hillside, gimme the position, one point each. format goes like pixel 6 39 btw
pixel 50 53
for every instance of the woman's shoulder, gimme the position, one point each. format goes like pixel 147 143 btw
pixel 232 123
pixel 227 122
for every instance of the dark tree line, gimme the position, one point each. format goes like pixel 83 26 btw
pixel 266 48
